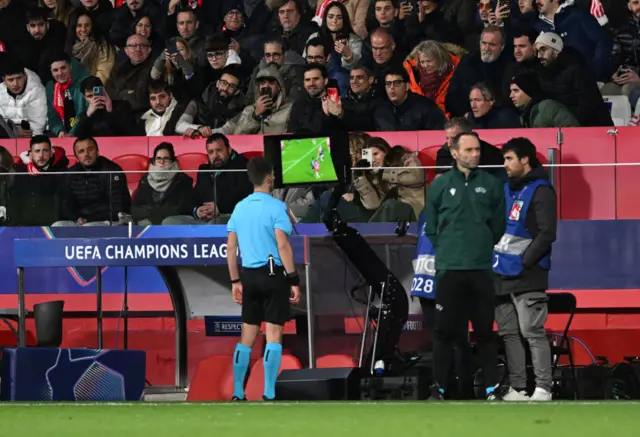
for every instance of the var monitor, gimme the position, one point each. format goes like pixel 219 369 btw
pixel 302 160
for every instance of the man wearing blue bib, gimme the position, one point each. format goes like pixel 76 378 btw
pixel 522 260
pixel 269 283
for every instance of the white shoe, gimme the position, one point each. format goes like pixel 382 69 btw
pixel 515 396
pixel 541 395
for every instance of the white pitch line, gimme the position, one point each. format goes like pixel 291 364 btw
pixel 304 156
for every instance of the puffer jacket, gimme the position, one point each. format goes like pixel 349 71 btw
pixel 626 46
pixel 29 106
pixel 276 121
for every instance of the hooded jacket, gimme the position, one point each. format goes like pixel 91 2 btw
pixel 35 199
pixel 541 223
pixel 275 122
pixel 291 72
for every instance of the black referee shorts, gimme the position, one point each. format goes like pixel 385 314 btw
pixel 265 298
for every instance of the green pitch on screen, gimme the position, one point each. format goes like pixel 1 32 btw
pixel 306 161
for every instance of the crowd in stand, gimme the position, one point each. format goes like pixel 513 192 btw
pixel 206 69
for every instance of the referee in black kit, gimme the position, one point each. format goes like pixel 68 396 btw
pixel 269 283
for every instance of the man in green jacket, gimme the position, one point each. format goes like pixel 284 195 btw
pixel 535 109
pixel 465 216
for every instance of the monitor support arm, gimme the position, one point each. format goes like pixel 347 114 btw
pixel 394 306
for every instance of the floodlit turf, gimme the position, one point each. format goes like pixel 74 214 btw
pixel 393 419
pixel 297 161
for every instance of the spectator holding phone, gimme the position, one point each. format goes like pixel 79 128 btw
pixel 271 111
pixel 337 34
pixel 104 117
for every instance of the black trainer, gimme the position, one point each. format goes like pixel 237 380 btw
pixel 264 398
pixel 436 393
pixel 237 399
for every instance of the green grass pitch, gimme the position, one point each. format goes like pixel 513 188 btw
pixel 330 419
pixel 297 157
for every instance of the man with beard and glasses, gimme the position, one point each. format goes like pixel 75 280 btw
pixel 162 118
pixel 310 113
pixel 220 102
pixel 218 191
pixel 36 195
pixel 23 99
pixel 486 66
pixel 522 264
pixel 464 218
pixel 104 117
pixel 97 194
pixel 289 64
pixel 271 111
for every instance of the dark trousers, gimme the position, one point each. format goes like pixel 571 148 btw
pixel 463 358
pixel 461 296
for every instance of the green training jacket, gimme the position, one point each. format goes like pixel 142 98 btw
pixel 465 217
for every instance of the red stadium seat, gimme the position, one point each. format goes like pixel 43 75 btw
pixel 335 360
pixel 72 161
pixel 427 157
pixel 255 386
pixel 253 154
pixel 17 160
pixel 189 163
pixel 213 380
pixel 133 163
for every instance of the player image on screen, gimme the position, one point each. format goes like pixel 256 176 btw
pixel 298 153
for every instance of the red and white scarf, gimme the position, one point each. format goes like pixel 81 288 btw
pixel 58 97
pixel 597 10
pixel 322 9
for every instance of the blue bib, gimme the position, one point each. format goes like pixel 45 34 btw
pixel 424 277
pixel 507 254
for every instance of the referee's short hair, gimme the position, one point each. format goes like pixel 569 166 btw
pixel 258 169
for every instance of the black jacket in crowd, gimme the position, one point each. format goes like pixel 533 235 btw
pixel 489 155
pixel 415 113
pixel 541 223
pixel 117 123
pixel 358 111
pixel 96 197
pixel 470 71
pixel 307 116
pixel 36 199
pixel 496 118
pixel 122 22
pixel 626 46
pixel 224 188
pixel 569 81
pixel 178 199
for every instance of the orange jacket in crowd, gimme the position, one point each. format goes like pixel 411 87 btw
pixel 411 65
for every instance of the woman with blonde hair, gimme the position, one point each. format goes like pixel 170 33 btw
pixel 430 67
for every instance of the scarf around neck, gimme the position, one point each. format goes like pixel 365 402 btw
pixel 160 178
pixel 85 52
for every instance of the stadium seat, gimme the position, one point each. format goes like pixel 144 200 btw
pixel 427 157
pixel 335 360
pixel 17 160
pixel 255 386
pixel 253 154
pixel 72 161
pixel 133 163
pixel 213 380
pixel 620 109
pixel 189 163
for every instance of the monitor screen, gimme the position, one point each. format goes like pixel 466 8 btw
pixel 307 160
pixel 300 160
